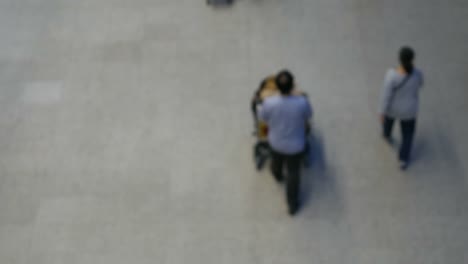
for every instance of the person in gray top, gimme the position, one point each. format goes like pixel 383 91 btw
pixel 400 101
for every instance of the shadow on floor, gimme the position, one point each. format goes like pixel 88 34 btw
pixel 320 193
pixel 421 151
pixel 432 149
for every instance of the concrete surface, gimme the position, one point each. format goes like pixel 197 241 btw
pixel 125 132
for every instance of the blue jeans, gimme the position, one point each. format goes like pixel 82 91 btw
pixel 408 128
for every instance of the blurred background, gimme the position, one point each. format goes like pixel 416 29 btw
pixel 125 132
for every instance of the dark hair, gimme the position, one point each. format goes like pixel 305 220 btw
pixel 285 82
pixel 406 59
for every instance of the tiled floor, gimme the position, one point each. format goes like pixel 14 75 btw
pixel 125 132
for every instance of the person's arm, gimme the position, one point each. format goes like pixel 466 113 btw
pixel 385 95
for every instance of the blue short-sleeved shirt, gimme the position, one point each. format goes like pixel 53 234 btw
pixel 286 117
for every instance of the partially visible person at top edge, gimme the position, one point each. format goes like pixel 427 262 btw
pixel 400 101
pixel 286 115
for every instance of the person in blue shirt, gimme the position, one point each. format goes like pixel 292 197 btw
pixel 287 115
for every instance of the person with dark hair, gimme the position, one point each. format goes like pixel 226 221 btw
pixel 286 115
pixel 285 82
pixel 400 101
pixel 267 88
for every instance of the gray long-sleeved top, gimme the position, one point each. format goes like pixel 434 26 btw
pixel 402 103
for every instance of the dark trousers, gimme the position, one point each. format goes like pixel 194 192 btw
pixel 408 128
pixel 292 164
